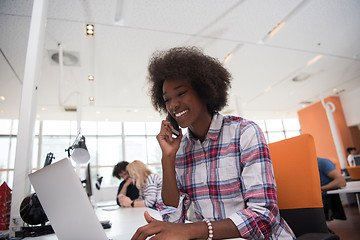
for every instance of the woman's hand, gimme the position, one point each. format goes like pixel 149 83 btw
pixel 168 144
pixel 161 230
pixel 128 182
pixel 124 201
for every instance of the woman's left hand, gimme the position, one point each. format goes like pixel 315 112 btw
pixel 125 201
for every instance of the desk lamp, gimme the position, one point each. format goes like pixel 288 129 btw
pixel 79 150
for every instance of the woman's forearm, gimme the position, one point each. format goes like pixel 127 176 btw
pixel 170 191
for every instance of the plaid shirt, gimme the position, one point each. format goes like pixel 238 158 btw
pixel 229 175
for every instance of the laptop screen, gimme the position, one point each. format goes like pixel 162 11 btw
pixel 66 203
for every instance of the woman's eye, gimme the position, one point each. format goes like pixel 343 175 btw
pixel 182 93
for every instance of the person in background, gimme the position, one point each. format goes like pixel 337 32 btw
pixel 148 183
pixel 352 152
pixel 222 165
pixel 126 187
pixel 331 179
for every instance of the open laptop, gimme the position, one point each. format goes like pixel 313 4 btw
pixel 65 202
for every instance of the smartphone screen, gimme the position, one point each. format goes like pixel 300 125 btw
pixel 176 128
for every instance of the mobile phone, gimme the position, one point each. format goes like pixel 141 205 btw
pixel 176 128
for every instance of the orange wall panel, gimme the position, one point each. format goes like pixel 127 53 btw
pixel 313 120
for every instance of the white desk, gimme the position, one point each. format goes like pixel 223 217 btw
pixel 125 221
pixel 351 187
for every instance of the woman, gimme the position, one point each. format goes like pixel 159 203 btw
pixel 148 183
pixel 222 165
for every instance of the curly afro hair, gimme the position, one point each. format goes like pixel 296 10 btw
pixel 205 74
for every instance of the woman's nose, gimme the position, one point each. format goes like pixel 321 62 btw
pixel 174 105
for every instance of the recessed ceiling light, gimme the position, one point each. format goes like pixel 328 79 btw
pixel 91 78
pixel 2 98
pixel 91 99
pixel 90 29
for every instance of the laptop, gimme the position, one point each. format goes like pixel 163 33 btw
pixel 65 202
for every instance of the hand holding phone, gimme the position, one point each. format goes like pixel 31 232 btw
pixel 176 128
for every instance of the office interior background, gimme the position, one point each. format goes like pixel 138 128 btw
pixel 284 56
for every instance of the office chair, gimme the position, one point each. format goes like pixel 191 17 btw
pixel 354 172
pixel 298 187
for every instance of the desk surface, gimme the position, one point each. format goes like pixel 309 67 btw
pixel 351 187
pixel 125 221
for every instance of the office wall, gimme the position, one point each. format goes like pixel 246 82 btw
pixel 313 120
pixel 355 134
pixel 350 101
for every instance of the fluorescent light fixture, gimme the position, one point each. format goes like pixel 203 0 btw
pixel 90 30
pixel 267 89
pixel 228 57
pixel 314 60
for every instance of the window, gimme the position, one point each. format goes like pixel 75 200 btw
pixel 279 129
pixel 108 143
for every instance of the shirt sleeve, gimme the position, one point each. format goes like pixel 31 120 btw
pixel 175 214
pixel 152 190
pixel 261 214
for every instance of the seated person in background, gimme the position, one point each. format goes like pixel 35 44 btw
pixel 147 182
pixel 331 179
pixel 126 187
pixel 350 158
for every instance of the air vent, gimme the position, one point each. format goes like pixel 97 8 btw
pixel 69 58
pixel 305 103
pixel 301 77
pixel 70 109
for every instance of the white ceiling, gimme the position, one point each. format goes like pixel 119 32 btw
pixel 262 68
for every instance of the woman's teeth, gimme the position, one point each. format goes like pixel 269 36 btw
pixel 180 114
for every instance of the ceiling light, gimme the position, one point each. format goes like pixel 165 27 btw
pixel 2 98
pixel 91 99
pixel 43 109
pixel 91 78
pixel 315 59
pixel 272 32
pixel 301 77
pixel 275 29
pixel 228 57
pixel 267 89
pixel 90 30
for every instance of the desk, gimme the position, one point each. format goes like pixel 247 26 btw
pixel 125 221
pixel 351 187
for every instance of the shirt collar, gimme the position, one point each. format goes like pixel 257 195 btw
pixel 214 130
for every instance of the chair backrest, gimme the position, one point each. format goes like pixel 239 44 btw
pixel 298 184
pixel 354 172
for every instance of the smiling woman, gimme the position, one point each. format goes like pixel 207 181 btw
pixel 210 166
